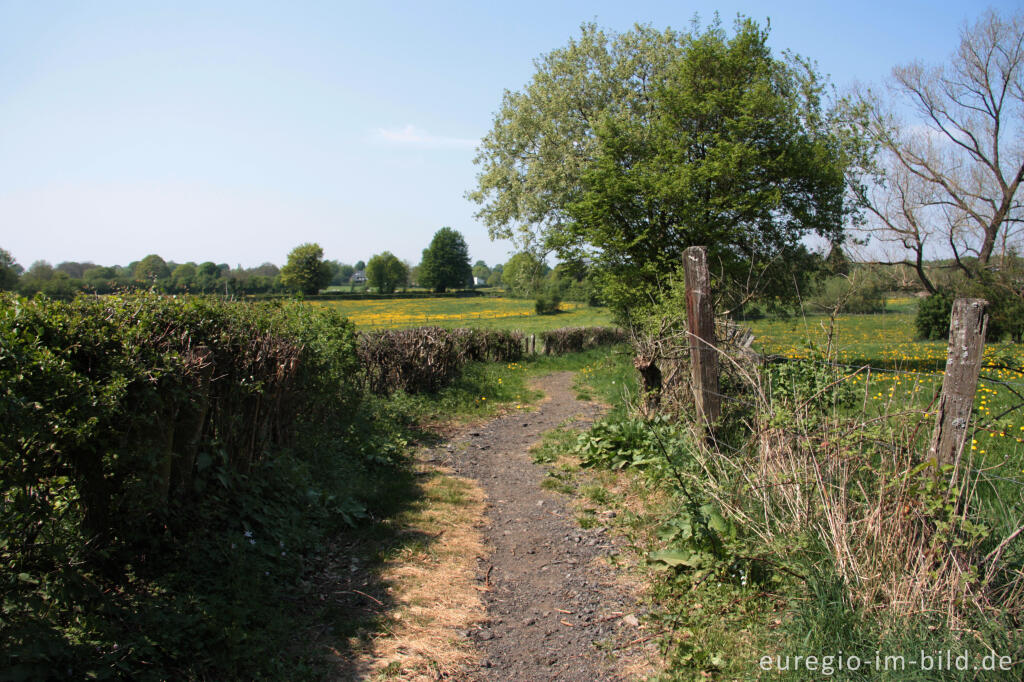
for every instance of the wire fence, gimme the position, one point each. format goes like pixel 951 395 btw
pixel 920 403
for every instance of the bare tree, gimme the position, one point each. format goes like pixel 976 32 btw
pixel 948 180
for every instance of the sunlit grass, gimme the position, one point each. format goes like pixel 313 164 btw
pixel 895 371
pixel 485 313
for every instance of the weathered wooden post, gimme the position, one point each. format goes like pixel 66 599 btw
pixel 700 319
pixel 963 363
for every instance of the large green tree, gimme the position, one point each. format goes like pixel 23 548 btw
pixel 151 269
pixel 9 271
pixel 386 272
pixel 481 270
pixel 523 273
pixel 306 270
pixel 184 276
pixel 445 263
pixel 664 141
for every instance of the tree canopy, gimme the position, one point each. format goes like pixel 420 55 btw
pixel 9 271
pixel 386 272
pixel 445 263
pixel 305 270
pixel 626 149
pixel 523 273
pixel 152 269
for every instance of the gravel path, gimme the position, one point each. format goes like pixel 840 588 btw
pixel 556 610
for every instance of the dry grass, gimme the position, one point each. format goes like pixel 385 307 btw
pixel 433 585
pixel 905 542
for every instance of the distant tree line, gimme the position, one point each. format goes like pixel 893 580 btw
pixel 66 279
pixel 445 265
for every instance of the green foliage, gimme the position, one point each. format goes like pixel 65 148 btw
pixel 858 293
pixel 151 269
pixel 184 276
pixel 547 304
pixel 805 386
pixel 932 321
pixel 837 263
pixel 9 271
pixel 342 273
pixel 445 263
pixel 1006 316
pixel 164 465
pixel 625 442
pixel 306 271
pixel 523 273
pixel 733 158
pixel 1004 292
pixel 573 282
pixel 386 272
pixel 481 270
pixel 665 141
pixel 531 160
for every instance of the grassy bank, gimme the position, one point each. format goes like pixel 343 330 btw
pixel 808 528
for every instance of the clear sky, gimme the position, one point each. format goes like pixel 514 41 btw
pixel 233 132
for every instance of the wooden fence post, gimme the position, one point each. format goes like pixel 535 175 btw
pixel 700 321
pixel 960 381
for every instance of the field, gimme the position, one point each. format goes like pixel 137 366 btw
pixel 886 363
pixel 484 313
pixel 893 371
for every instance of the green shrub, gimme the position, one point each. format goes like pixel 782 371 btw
pixel 850 295
pixel 1005 306
pixel 1006 317
pixel 164 464
pixel 932 321
pixel 547 304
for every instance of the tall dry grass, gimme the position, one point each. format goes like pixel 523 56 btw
pixel 841 487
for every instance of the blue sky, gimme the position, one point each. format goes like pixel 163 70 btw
pixel 233 132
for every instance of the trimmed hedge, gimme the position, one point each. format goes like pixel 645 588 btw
pixel 576 339
pixel 144 442
pixel 426 359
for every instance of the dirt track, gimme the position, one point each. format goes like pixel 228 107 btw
pixel 555 609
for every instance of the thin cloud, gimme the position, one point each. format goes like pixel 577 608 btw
pixel 412 136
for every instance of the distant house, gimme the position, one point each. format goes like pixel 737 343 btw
pixel 358 277
pixel 479 282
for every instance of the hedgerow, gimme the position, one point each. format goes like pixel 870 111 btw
pixel 426 359
pixel 164 464
pixel 576 339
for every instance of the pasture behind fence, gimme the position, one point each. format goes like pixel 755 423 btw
pixel 896 472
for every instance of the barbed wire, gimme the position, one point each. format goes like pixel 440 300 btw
pixel 986 474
